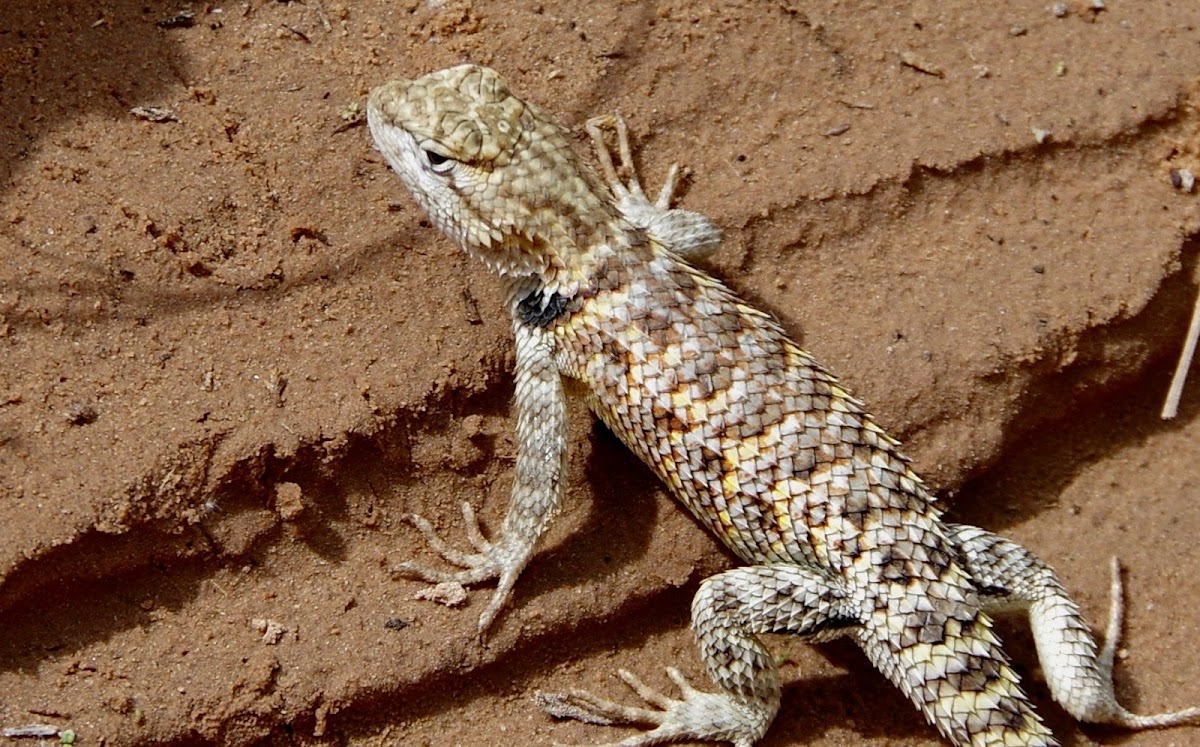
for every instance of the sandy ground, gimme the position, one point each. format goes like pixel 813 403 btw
pixel 233 354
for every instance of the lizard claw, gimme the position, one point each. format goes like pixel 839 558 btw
pixel 477 566
pixel 474 536
pixel 489 561
pixel 688 234
pixel 1106 709
pixel 632 191
pixel 698 715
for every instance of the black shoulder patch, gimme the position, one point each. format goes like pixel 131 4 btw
pixel 540 310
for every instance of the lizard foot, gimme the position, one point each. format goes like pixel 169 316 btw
pixel 1079 673
pixel 489 561
pixel 1105 709
pixel 698 715
pixel 687 233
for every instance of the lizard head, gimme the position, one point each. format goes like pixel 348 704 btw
pixel 492 172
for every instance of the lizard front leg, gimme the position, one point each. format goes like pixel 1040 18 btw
pixel 1078 671
pixel 538 482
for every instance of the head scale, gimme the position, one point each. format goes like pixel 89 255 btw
pixel 466 109
pixel 492 171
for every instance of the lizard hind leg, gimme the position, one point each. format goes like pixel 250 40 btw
pixel 688 234
pixel 1078 672
pixel 727 612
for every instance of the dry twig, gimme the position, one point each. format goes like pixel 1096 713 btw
pixel 1171 406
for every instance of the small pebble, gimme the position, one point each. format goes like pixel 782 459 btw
pixel 1040 135
pixel 449 593
pixel 79 413
pixel 1059 10
pixel 289 501
pixel 272 632
pixel 184 19
pixel 154 114
pixel 33 730
pixel 1183 180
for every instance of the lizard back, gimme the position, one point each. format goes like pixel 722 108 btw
pixel 748 430
pixel 783 465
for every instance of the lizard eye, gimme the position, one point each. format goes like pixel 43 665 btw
pixel 439 163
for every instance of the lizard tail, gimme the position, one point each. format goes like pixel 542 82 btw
pixel 950 665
